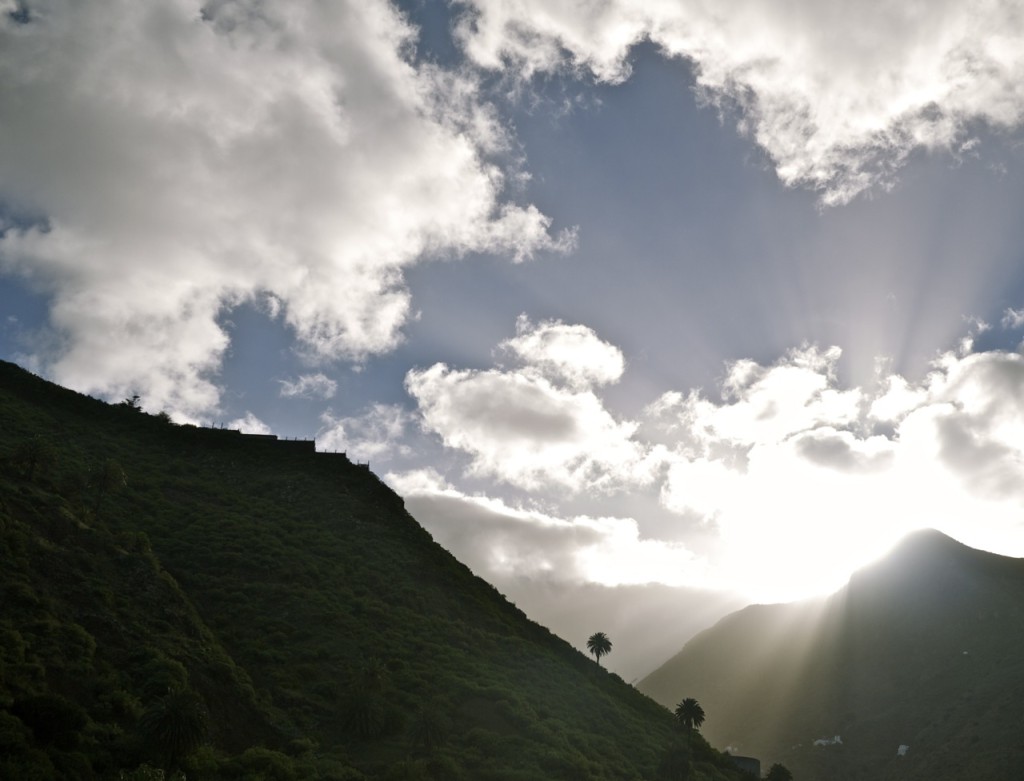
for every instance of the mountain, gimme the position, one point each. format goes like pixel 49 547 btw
pixel 242 607
pixel 922 649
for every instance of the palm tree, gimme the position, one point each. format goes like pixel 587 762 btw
pixel 174 727
pixel 599 645
pixel 366 704
pixel 429 728
pixel 690 714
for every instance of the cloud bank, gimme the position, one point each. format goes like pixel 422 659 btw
pixel 503 541
pixel 838 94
pixel 539 424
pixel 160 163
pixel 785 461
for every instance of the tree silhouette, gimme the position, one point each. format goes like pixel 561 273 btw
pixel 133 402
pixel 429 730
pixel 365 704
pixel 779 772
pixel 174 727
pixel 689 714
pixel 372 676
pixel 599 645
pixel 109 478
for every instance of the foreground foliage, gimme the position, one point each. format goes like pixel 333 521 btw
pixel 183 601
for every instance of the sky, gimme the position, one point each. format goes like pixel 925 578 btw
pixel 647 309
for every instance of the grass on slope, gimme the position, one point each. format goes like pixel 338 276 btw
pixel 315 624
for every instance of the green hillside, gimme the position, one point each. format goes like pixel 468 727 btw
pixel 243 608
pixel 921 650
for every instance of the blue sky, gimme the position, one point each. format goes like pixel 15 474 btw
pixel 637 305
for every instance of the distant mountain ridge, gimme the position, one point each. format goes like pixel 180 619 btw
pixel 922 649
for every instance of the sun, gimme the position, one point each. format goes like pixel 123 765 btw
pixel 789 537
pixel 788 571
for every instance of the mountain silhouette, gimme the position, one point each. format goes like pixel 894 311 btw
pixel 915 666
pixel 243 607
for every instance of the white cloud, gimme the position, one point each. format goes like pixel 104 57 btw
pixel 188 157
pixel 572 354
pixel 539 424
pixel 974 423
pixel 499 540
pixel 790 479
pixel 1013 318
pixel 250 424
pixel 895 399
pixel 803 486
pixel 763 404
pixel 377 434
pixel 520 428
pixel 309 386
pixel 839 94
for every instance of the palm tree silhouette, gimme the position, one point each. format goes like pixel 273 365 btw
pixel 365 703
pixel 174 727
pixel 599 645
pixel 690 714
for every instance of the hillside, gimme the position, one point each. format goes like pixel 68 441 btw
pixel 244 608
pixel 921 649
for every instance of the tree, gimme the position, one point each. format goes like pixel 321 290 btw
pixel 132 402
pixel 174 727
pixel 429 729
pixel 372 676
pixel 365 704
pixel 599 645
pixel 778 772
pixel 689 714
pixel 106 480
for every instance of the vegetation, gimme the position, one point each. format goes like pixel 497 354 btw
pixel 598 644
pixel 689 714
pixel 177 599
pixel 778 772
pixel 174 727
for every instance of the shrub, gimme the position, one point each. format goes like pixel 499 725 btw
pixel 174 727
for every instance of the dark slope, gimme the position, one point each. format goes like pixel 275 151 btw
pixel 923 648
pixel 321 628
